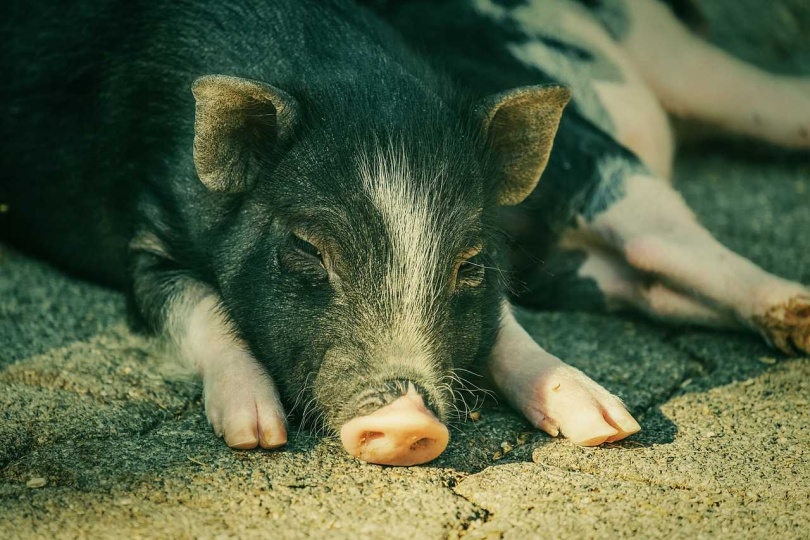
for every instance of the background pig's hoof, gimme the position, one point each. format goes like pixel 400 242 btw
pixel 787 325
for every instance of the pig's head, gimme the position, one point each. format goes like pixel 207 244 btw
pixel 359 255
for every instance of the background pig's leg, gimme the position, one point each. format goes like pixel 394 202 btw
pixel 657 234
pixel 583 275
pixel 241 400
pixel 697 81
pixel 553 395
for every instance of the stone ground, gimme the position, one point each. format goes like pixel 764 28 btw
pixel 100 437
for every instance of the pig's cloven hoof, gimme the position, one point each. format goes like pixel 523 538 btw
pixel 561 399
pixel 402 433
pixel 787 325
pixel 243 407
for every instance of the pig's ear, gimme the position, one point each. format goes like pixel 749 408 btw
pixel 236 121
pixel 519 126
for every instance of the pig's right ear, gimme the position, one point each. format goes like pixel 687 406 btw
pixel 236 120
pixel 520 125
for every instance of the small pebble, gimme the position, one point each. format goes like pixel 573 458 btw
pixel 767 360
pixel 38 482
pixel 523 437
pixel 710 434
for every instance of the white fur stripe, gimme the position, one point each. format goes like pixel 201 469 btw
pixel 410 284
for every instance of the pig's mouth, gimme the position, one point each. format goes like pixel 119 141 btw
pixel 394 424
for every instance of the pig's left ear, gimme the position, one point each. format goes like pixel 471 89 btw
pixel 519 126
pixel 236 121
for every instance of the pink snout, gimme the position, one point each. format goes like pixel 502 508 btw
pixel 402 433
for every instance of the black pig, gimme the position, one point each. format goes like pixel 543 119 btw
pixel 294 197
pixel 285 190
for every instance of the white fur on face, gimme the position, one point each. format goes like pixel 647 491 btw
pixel 411 283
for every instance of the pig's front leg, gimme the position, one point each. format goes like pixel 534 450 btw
pixel 241 400
pixel 553 395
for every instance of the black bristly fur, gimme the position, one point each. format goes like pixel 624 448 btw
pixel 97 140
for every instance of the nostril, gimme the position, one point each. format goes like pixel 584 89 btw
pixel 422 443
pixel 369 436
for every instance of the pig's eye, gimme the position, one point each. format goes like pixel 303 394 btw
pixel 306 248
pixel 470 272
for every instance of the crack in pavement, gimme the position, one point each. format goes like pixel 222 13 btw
pixel 482 516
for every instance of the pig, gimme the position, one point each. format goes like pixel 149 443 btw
pixel 313 212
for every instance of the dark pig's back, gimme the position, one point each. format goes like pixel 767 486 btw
pixel 100 117
pixel 64 191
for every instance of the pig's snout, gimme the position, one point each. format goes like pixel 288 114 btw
pixel 404 432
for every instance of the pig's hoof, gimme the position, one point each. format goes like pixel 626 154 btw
pixel 787 325
pixel 244 408
pixel 562 399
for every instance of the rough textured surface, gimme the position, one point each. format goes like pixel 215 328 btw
pixel 119 440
